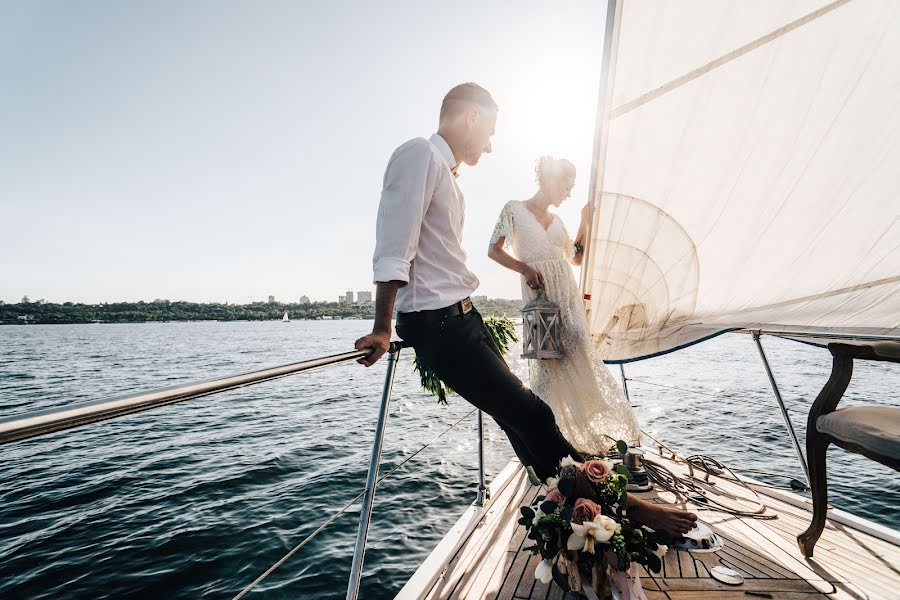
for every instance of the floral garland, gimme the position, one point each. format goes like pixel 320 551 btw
pixel 582 525
pixel 502 330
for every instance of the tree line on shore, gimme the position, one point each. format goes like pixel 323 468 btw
pixel 164 310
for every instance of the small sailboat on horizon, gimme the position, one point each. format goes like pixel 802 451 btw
pixel 285 318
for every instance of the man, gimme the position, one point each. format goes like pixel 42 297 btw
pixel 420 264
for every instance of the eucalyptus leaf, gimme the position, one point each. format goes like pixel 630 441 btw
pixel 653 563
pixel 623 470
pixel 548 507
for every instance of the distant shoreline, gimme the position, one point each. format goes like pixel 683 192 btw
pixel 164 311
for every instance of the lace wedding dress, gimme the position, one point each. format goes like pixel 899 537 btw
pixel 590 409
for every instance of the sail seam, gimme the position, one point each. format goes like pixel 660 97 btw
pixel 846 290
pixel 734 54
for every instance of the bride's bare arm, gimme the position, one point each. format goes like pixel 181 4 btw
pixel 581 236
pixel 498 254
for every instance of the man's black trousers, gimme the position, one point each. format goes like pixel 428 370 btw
pixel 463 354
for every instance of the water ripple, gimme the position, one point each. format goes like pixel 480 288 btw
pixel 197 499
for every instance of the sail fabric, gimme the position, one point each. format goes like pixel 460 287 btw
pixel 748 173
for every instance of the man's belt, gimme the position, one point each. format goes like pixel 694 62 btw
pixel 462 307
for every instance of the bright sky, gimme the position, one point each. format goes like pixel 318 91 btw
pixel 213 150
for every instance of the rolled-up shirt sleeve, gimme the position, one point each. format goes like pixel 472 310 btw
pixel 409 182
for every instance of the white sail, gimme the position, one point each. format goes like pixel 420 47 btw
pixel 285 317
pixel 749 172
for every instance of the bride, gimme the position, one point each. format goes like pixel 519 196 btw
pixel 590 409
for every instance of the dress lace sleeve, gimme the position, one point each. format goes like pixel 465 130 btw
pixel 504 227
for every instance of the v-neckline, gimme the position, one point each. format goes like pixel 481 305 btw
pixel 538 221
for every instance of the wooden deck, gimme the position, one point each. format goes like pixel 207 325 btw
pixel 487 562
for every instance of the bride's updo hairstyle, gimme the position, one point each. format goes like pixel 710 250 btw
pixel 551 172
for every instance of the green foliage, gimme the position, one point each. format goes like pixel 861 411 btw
pixel 503 332
pixel 431 383
pixel 164 311
pixel 623 470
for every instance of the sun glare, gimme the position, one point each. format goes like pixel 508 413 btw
pixel 552 112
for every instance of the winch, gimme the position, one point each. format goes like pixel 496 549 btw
pixel 634 461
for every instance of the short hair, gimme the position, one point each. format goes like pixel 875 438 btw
pixel 464 96
pixel 548 169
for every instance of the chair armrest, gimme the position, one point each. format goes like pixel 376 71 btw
pixel 842 370
pixel 888 351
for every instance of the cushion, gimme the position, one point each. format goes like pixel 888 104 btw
pixel 875 428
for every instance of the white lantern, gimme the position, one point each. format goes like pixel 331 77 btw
pixel 540 329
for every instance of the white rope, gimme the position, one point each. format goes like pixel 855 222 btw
pixel 684 489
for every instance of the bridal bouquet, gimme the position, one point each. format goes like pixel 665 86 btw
pixel 582 525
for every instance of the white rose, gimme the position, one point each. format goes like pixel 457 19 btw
pixel 587 535
pixel 661 551
pixel 544 571
pixel 552 482
pixel 606 529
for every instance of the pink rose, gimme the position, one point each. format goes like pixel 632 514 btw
pixel 556 496
pixel 585 510
pixel 596 470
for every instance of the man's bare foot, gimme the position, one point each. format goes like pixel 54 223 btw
pixel 663 518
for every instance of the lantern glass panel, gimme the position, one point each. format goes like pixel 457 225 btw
pixel 540 329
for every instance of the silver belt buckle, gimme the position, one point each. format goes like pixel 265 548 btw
pixel 466 304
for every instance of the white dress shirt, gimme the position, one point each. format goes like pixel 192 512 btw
pixel 418 233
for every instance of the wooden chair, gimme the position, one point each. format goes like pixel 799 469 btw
pixel 873 431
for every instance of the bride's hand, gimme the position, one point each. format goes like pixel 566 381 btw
pixel 532 278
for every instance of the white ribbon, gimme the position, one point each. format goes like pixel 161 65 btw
pixel 588 590
pixel 629 583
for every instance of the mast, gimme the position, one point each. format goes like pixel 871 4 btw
pixel 601 130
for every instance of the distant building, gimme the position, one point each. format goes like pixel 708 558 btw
pixel 342 299
pixel 271 299
pixel 304 299
pixel 363 297
pixel 41 301
pixel 348 298
pixel 25 300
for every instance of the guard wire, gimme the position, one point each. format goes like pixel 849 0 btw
pixel 337 514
